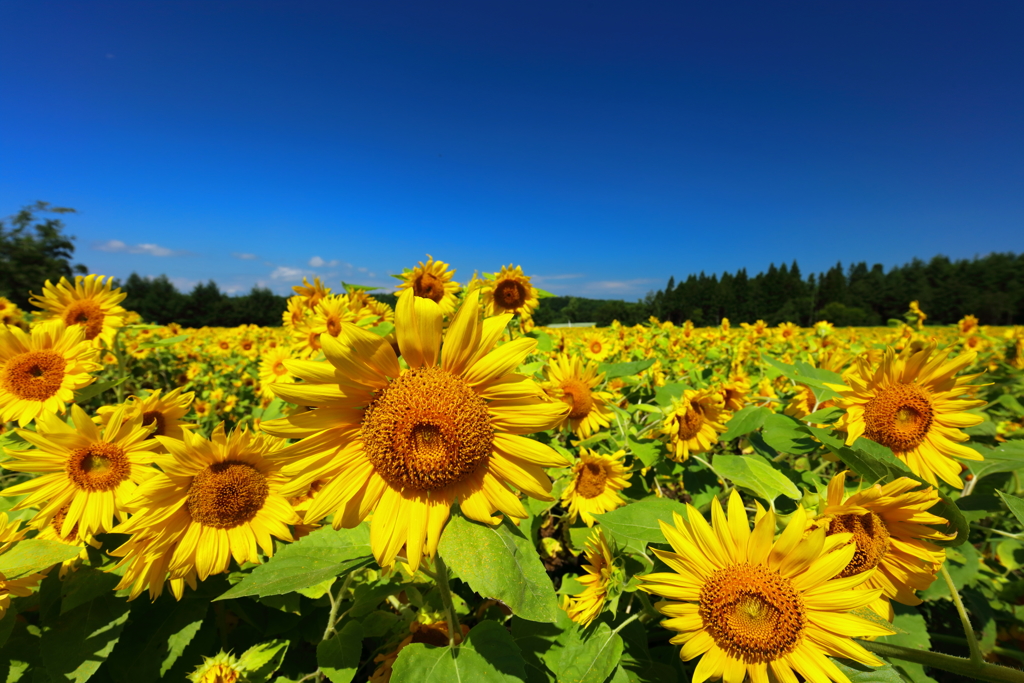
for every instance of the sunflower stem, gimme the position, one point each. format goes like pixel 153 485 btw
pixel 972 639
pixel 441 579
pixel 121 365
pixel 982 671
pixel 332 620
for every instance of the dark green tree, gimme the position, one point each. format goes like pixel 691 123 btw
pixel 33 250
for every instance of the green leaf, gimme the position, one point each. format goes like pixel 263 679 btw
pixel 1015 505
pixel 489 655
pixel 544 341
pixel 745 421
pixel 646 450
pixel 914 635
pixel 810 376
pixel 862 673
pixel 7 625
pixel 637 524
pixel 78 642
pixel 157 343
pixel 1007 457
pixel 587 655
pixel 754 474
pixel 323 554
pixel 83 585
pixel 824 416
pixel 614 370
pixel 500 562
pixel 787 435
pixel 338 657
pixel 261 661
pixel 97 388
pixel 34 555
pixel 383 330
pixel 664 395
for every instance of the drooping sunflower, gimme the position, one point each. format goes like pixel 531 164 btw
pixel 212 501
pixel 584 607
pixel 510 292
pixel 432 280
pixel 89 302
pixel 405 443
pixel 595 484
pixel 749 606
pixel 40 371
pixel 890 531
pixel 694 423
pixel 311 294
pixel 90 472
pixel 573 382
pixel 914 404
pixel 20 587
pixel 163 411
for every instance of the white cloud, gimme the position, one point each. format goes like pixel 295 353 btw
pixel 540 279
pixel 317 262
pixel 286 273
pixel 620 287
pixel 117 246
pixel 244 256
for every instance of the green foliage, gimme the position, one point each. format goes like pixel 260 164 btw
pixel 489 654
pixel 34 250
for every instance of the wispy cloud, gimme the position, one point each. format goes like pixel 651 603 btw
pixel 541 279
pixel 317 262
pixel 287 274
pixel 119 247
pixel 617 287
pixel 243 256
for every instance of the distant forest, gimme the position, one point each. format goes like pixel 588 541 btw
pixel 991 288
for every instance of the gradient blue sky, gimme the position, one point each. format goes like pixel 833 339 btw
pixel 602 145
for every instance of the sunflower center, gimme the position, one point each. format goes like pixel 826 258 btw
pixel 509 294
pixel 154 417
pixel 579 397
pixel 752 613
pixel 591 480
pixel 227 494
pixel 429 287
pixel 333 326
pixel 35 375
pixel 596 346
pixel 87 313
pixel 280 369
pixel 690 422
pixel 98 467
pixel 871 536
pixel 427 430
pixel 899 416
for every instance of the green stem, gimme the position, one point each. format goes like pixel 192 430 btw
pixel 972 639
pixel 1001 651
pixel 122 368
pixel 332 620
pixel 982 671
pixel 441 578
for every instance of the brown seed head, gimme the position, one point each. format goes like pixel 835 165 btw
pixel 899 416
pixel 34 375
pixel 227 494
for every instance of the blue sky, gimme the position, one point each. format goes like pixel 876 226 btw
pixel 604 146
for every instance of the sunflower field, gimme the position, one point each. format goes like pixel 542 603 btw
pixel 442 491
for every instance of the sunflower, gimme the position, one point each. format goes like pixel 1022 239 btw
pixel 596 347
pixel 10 314
pixel 92 472
pixel 90 302
pixel 913 404
pixel 573 382
pixel 586 606
pixel 49 530
pixel 311 294
pixel 273 370
pixel 405 443
pixel 164 411
pixel 40 371
pixel 510 291
pixel 595 485
pixel 21 587
pixel 432 280
pixel 890 532
pixel 694 423
pixel 213 500
pixel 749 606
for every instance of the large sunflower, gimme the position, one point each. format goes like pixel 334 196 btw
pixel 748 606
pixel 432 280
pixel 574 383
pixel 890 532
pixel 89 302
pixel 40 371
pixel 213 500
pixel 405 443
pixel 86 473
pixel 914 404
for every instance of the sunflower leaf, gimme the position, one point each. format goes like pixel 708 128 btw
pixel 500 562
pixel 34 555
pixel 97 388
pixel 488 654
pixel 755 475
pixel 338 656
pixel 312 559
pixel 614 370
pixel 745 421
pixel 637 524
pixel 1015 505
